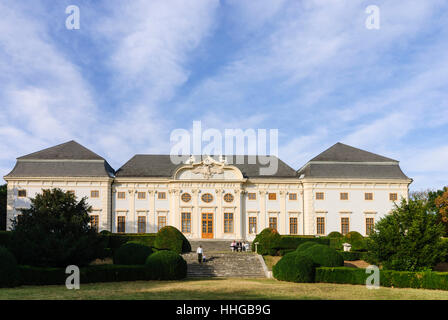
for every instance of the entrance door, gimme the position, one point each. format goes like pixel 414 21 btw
pixel 207 225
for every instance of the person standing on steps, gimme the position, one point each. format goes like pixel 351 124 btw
pixel 199 251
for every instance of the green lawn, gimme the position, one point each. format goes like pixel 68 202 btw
pixel 217 289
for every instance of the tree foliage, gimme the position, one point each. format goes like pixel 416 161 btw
pixel 55 231
pixel 3 197
pixel 408 239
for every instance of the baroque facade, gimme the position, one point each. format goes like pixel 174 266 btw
pixel 342 189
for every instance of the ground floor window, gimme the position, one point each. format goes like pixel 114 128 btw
pixel 141 225
pixel 320 222
pixel 273 223
pixel 186 222
pixel 253 225
pixel 370 224
pixel 292 225
pixel 228 222
pixel 161 222
pixel 94 222
pixel 121 224
pixel 345 226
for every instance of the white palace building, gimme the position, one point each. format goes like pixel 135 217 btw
pixel 342 189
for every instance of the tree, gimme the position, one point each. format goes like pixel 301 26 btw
pixel 438 203
pixel 55 231
pixel 3 195
pixel 407 239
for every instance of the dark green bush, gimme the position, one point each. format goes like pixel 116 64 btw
pixel 323 256
pixel 268 242
pixel 335 234
pixel 166 265
pixel 9 270
pixel 116 240
pixel 170 238
pixel 305 246
pixel 358 242
pixel 5 237
pixel 388 278
pixel 350 255
pixel 282 252
pixel 292 242
pixel 132 253
pixel 294 268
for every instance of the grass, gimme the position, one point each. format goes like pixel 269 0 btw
pixel 271 261
pixel 218 289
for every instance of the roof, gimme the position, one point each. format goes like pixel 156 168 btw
pixel 68 159
pixel 340 152
pixel 71 150
pixel 162 166
pixel 344 161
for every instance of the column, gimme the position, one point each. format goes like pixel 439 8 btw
pixel 152 212
pixel 219 219
pixel 263 214
pixel 130 218
pixel 283 219
pixel 195 215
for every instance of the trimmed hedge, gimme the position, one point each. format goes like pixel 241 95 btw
pixel 9 270
pixel 351 255
pixel 268 242
pixel 294 267
pixel 335 234
pixel 132 253
pixel 388 278
pixel 170 238
pixel 100 273
pixel 166 265
pixel 323 256
pixel 305 246
pixel 292 242
pixel 116 240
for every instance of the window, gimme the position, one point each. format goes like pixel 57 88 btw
pixel 320 222
pixel 253 225
pixel 272 196
pixel 273 223
pixel 207 197
pixel 252 196
pixel 141 195
pixel 161 195
pixel 121 224
pixel 141 224
pixel 21 193
pixel 292 225
pixel 370 224
pixel 186 222
pixel 228 222
pixel 94 222
pixel 393 197
pixel 161 222
pixel 319 196
pixel 368 196
pixel 293 196
pixel 344 195
pixel 345 226
pixel 228 197
pixel 94 194
pixel 186 197
pixel 121 195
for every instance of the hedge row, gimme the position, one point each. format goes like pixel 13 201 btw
pixel 388 278
pixel 4 238
pixel 116 240
pixel 351 255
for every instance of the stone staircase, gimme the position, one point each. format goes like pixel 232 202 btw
pixel 221 262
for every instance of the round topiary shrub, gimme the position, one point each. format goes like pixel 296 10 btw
pixel 305 245
pixel 268 242
pixel 357 241
pixel 294 267
pixel 335 234
pixel 132 253
pixel 166 265
pixel 170 238
pixel 323 256
pixel 9 270
pixel 354 236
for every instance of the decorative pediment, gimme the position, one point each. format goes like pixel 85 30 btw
pixel 208 169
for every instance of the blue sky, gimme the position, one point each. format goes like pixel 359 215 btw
pixel 137 70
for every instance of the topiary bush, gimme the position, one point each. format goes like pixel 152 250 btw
pixel 132 253
pixel 268 242
pixel 357 241
pixel 170 238
pixel 323 256
pixel 166 265
pixel 305 246
pixel 9 270
pixel 294 267
pixel 335 234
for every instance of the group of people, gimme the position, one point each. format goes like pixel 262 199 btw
pixel 239 246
